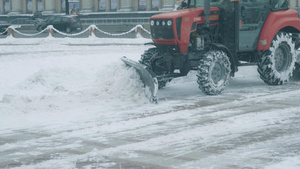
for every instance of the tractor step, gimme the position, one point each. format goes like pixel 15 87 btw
pixel 247 64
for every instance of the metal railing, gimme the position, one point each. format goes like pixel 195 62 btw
pixel 92 29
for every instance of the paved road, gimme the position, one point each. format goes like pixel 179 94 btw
pixel 251 125
pixel 225 132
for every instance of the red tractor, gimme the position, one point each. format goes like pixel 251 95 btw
pixel 215 37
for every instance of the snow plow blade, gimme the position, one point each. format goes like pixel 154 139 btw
pixel 149 79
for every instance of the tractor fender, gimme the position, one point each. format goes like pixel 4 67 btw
pixel 232 57
pixel 276 21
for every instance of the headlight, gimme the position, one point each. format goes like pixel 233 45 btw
pixel 169 22
pixel 157 23
pixel 152 23
pixel 163 23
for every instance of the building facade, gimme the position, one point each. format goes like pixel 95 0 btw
pixel 295 3
pixel 13 7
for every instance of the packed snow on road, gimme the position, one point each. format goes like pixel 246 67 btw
pixel 72 103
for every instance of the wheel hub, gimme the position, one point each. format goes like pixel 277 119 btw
pixel 217 73
pixel 281 58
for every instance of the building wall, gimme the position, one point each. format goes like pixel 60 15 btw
pixel 56 6
pixel 12 7
pixel 294 3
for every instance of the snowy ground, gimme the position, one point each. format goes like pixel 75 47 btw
pixel 71 103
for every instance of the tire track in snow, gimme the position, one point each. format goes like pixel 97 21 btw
pixel 135 129
pixel 213 141
pixel 256 155
pixel 156 116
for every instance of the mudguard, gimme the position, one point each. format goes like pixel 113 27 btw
pixel 148 78
pixel 275 22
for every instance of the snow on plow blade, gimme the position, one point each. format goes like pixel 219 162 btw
pixel 148 78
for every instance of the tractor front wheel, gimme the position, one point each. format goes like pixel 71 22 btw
pixel 154 61
pixel 214 72
pixel 276 65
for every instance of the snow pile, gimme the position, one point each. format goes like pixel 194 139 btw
pixel 111 83
pixel 116 81
pixel 42 79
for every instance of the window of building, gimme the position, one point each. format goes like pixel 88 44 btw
pixel 113 5
pixel 142 5
pixel 280 4
pixel 6 6
pixel 40 5
pixel 102 5
pixel 29 6
pixel 155 4
pixel 74 7
pixel 63 6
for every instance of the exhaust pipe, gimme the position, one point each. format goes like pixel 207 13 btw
pixel 207 11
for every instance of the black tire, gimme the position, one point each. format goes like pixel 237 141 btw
pixel 39 28
pixel 296 73
pixel 154 61
pixel 214 72
pixel 276 65
pixel 163 82
pixel 148 55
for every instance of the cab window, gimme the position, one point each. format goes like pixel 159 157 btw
pixel 196 3
pixel 279 4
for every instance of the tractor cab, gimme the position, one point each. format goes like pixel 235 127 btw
pixel 272 4
pixel 252 15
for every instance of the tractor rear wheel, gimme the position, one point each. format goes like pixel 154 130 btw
pixel 276 65
pixel 214 72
